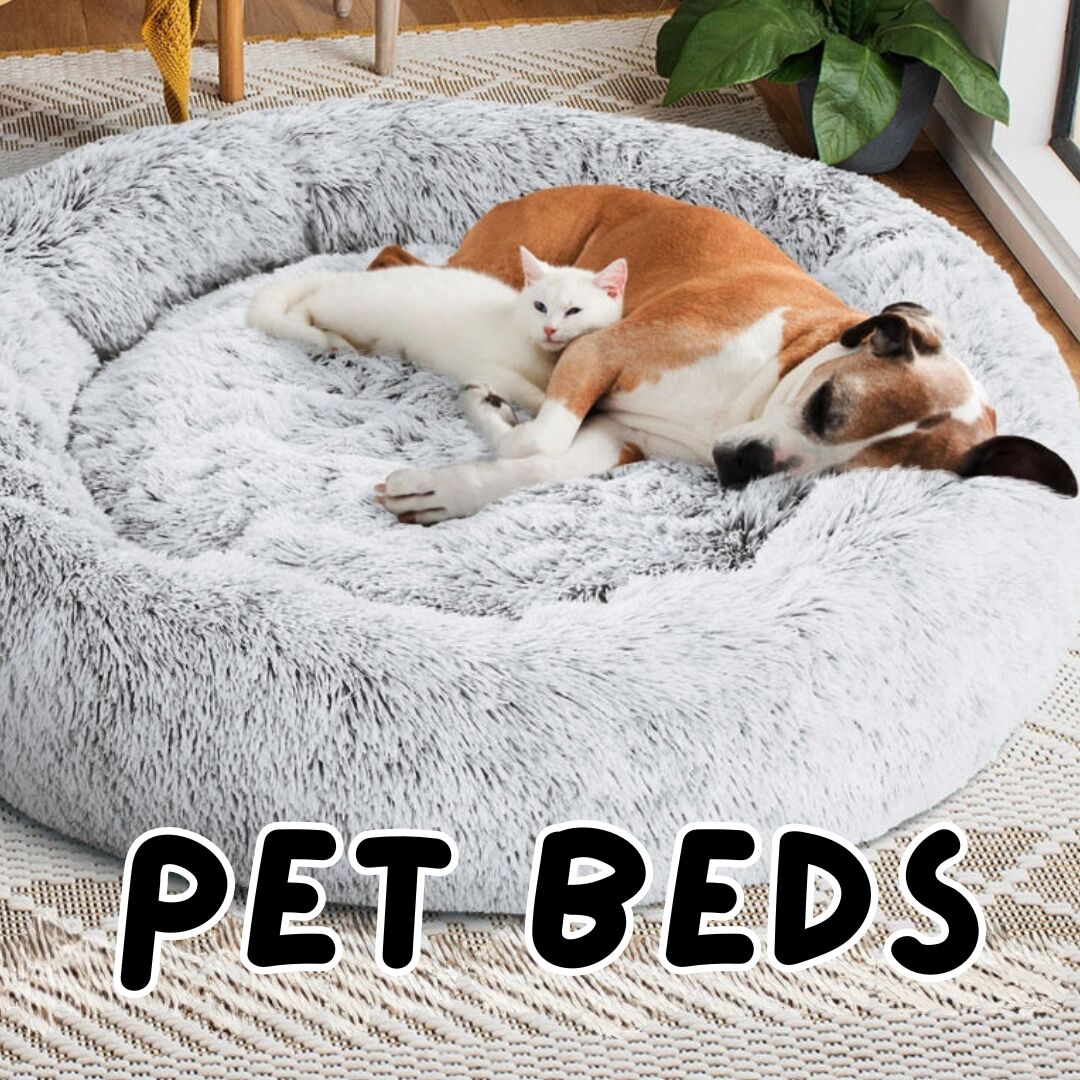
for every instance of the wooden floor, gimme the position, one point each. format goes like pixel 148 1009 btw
pixel 924 177
pixel 46 24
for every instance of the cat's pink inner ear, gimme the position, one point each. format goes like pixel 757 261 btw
pixel 533 268
pixel 612 279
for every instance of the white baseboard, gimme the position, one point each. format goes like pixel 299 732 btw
pixel 1030 235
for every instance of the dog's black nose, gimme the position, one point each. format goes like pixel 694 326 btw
pixel 738 465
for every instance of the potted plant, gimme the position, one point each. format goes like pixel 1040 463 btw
pixel 867 69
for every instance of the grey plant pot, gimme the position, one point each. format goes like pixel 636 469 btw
pixel 888 150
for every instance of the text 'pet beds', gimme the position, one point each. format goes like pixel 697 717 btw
pixel 207 622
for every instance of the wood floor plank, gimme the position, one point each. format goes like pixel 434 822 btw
pixel 104 23
pixel 35 24
pixel 57 24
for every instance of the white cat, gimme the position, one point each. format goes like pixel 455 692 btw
pixel 496 342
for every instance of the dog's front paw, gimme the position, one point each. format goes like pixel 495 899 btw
pixel 427 496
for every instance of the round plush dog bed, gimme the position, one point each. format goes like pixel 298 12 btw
pixel 207 622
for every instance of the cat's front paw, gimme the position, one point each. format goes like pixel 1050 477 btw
pixel 483 406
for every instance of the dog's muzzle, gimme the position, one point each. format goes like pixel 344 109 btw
pixel 738 465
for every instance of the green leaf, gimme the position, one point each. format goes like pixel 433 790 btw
pixel 857 95
pixel 853 16
pixel 884 10
pixel 804 65
pixel 744 40
pixel 673 34
pixel 921 32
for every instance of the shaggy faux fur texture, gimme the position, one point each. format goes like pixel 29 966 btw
pixel 208 623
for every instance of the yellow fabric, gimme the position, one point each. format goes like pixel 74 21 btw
pixel 168 29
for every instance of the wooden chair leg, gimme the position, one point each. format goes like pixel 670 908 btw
pixel 230 49
pixel 387 17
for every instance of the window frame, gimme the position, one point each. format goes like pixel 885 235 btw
pixel 1042 188
pixel 1017 178
pixel 1063 133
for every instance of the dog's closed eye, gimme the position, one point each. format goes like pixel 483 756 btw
pixel 821 413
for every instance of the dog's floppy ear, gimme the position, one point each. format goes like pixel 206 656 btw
pixel 898 333
pixel 1025 459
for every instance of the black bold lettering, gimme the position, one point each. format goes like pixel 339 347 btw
pixel 599 905
pixel 696 897
pixel 402 858
pixel 278 897
pixel 150 913
pixel 932 957
pixel 798 939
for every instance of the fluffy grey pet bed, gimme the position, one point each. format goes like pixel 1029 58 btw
pixel 208 623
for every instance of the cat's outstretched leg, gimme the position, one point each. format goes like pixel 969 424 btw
pixel 426 496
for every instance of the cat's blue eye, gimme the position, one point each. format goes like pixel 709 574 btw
pixel 541 307
pixel 573 311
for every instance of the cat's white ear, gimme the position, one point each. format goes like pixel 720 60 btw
pixel 533 267
pixel 612 279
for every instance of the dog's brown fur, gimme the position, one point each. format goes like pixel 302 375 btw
pixel 698 279
pixel 697 276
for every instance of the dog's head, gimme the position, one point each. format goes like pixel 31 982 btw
pixel 887 393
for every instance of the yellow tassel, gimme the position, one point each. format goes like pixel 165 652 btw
pixel 168 30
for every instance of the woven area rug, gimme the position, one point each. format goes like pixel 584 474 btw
pixel 51 103
pixel 478 1006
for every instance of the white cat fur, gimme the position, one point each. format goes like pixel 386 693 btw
pixel 466 326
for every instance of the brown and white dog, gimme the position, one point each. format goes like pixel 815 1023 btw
pixel 728 352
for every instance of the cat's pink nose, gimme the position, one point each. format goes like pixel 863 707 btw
pixel 549 330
